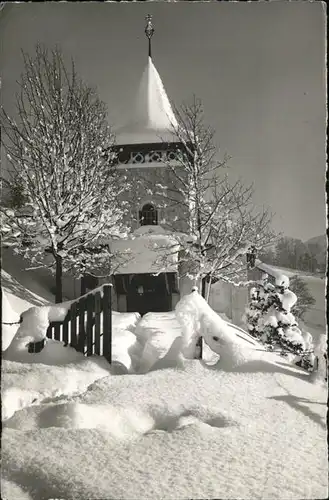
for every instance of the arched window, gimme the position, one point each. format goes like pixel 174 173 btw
pixel 148 216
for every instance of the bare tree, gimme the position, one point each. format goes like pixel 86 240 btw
pixel 62 198
pixel 221 222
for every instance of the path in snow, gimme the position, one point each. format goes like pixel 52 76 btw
pixel 159 337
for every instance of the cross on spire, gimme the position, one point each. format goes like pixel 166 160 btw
pixel 149 30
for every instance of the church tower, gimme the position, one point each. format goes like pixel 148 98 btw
pixel 147 150
pixel 147 144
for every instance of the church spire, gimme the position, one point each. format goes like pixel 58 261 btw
pixel 149 30
pixel 152 119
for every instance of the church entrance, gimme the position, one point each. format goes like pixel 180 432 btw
pixel 148 293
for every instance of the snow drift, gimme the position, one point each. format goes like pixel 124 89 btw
pixel 121 423
pixel 198 319
pixel 216 434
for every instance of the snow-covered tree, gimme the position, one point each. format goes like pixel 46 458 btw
pixel 269 318
pixel 220 220
pixel 305 298
pixel 62 198
pixel 258 302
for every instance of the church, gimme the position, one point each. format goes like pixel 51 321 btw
pixel 145 273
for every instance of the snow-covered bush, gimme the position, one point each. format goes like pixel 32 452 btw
pixel 258 300
pixel 269 318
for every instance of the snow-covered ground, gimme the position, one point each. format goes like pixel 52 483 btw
pixel 30 285
pixel 193 432
pixel 242 423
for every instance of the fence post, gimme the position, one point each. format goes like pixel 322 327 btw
pixel 57 331
pixel 73 323
pixel 49 332
pixel 66 328
pixel 107 323
pixel 98 307
pixel 89 328
pixel 82 333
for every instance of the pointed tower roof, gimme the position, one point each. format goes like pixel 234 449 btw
pixel 152 117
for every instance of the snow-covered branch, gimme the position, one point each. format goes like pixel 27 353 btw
pixel 62 195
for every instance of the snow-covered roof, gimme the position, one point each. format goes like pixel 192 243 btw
pixel 272 270
pixel 150 250
pixel 154 229
pixel 153 117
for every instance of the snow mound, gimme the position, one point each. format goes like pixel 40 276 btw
pixel 10 314
pixel 157 348
pixel 14 398
pixel 175 417
pixel 125 321
pixel 11 490
pixel 123 342
pixel 157 334
pixel 53 353
pixel 33 328
pixel 188 314
pixel 27 384
pixel 121 423
pixel 198 319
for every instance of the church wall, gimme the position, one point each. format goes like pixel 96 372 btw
pixel 255 274
pixel 231 300
pixel 220 298
pixel 121 303
pixel 175 299
pixel 239 302
pixel 71 287
pixel 143 190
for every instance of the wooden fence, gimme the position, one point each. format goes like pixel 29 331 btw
pixel 88 324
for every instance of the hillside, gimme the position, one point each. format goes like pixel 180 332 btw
pixel 318 247
pixel 320 240
pixel 32 286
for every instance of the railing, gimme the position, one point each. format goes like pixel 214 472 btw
pixel 87 326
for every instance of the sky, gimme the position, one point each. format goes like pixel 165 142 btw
pixel 258 67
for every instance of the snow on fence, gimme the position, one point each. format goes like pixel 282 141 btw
pixel 87 325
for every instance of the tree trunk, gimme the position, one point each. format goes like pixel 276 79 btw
pixel 208 289
pixel 83 288
pixel 206 284
pixel 199 345
pixel 59 280
pixel 203 287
